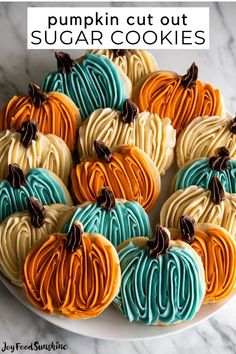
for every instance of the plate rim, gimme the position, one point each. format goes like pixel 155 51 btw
pixel 48 318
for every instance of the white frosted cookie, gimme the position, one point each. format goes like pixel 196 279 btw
pixel 21 230
pixel 204 136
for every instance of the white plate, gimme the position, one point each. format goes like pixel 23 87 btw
pixel 110 324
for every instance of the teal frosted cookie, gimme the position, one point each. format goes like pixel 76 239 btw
pixel 39 183
pixel 91 82
pixel 162 281
pixel 200 172
pixel 116 219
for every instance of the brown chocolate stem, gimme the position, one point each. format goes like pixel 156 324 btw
pixel 37 212
pixel 232 126
pixel 64 62
pixel 16 176
pixel 37 96
pixel 187 227
pixel 119 52
pixel 28 131
pixel 217 190
pixel 74 237
pixel 222 151
pixel 102 151
pixel 219 163
pixel 106 199
pixel 189 79
pixel 159 245
pixel 129 112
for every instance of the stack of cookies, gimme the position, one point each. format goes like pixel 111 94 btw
pixel 82 160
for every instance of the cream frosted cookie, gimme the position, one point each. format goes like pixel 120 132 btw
pixel 217 250
pixel 204 136
pixel 54 112
pixel 204 205
pixel 147 131
pixel 75 274
pixel 30 149
pixel 126 170
pixel 21 230
pixel 116 219
pixel 162 280
pixel 92 82
pixel 136 63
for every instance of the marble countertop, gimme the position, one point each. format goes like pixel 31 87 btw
pixel 18 67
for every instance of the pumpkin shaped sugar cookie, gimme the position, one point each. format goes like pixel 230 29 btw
pixel 217 250
pixel 200 172
pixel 212 205
pixel 77 274
pixel 204 136
pixel 147 131
pixel 55 113
pixel 30 149
pixel 21 230
pixel 126 170
pixel 92 82
pixel 116 219
pixel 136 63
pixel 39 183
pixel 178 97
pixel 162 280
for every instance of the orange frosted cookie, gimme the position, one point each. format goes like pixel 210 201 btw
pixel 180 98
pixel 77 274
pixel 127 171
pixel 55 113
pixel 217 250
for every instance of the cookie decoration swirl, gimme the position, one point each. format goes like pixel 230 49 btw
pixel 189 80
pixel 86 276
pixel 30 149
pixel 19 233
pixel 129 112
pixel 159 290
pixel 91 82
pixel 217 250
pixel 128 172
pixel 39 183
pixel 159 245
pixel 28 131
pixel 64 62
pixel 135 63
pixel 37 212
pixel 200 172
pixel 217 190
pixel 117 220
pixel 16 176
pixel 197 202
pixel 187 227
pixel 37 96
pixel 204 136
pixel 54 112
pixel 150 133
pixel 180 98
pixel 106 199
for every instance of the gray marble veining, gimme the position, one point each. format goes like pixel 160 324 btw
pixel 18 67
